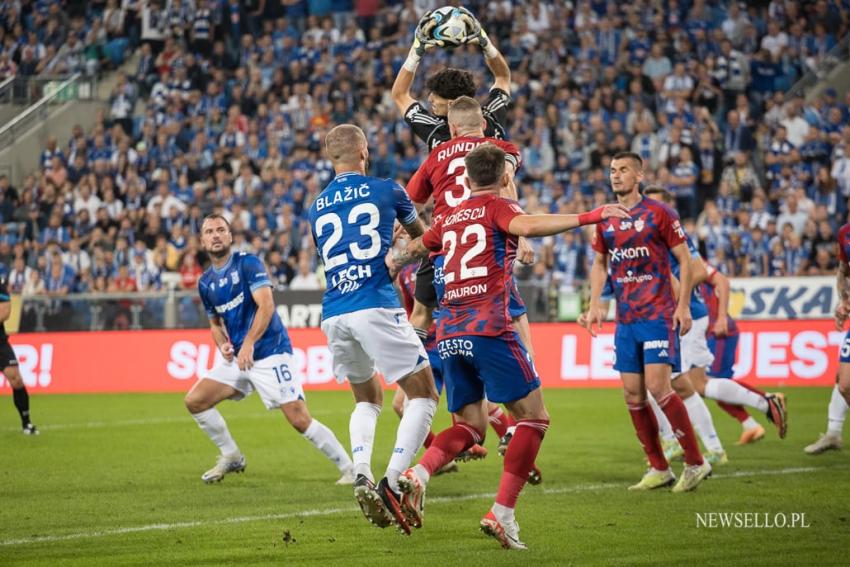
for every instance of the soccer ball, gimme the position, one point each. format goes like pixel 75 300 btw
pixel 450 28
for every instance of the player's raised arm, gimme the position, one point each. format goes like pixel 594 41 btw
pixel 547 225
pixel 487 172
pixel 404 80
pixel 494 60
pixel 682 315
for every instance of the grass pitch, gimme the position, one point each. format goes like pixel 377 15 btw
pixel 115 480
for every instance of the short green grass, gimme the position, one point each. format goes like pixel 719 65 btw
pixel 115 480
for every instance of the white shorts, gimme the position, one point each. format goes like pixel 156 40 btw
pixel 273 378
pixel 370 338
pixel 694 345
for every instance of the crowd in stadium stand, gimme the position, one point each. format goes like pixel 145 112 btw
pixel 49 38
pixel 229 103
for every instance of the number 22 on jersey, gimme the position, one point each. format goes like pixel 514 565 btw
pixel 474 232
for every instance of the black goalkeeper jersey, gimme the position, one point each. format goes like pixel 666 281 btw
pixel 434 130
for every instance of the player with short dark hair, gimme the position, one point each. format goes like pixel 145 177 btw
pixel 479 349
pixel 9 363
pixel 256 354
pixel 451 84
pixel 648 317
pixel 695 357
pixel 448 84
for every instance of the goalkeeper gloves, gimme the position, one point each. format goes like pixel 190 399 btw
pixel 477 35
pixel 422 41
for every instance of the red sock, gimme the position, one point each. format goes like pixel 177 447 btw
pixel 448 444
pixel 674 408
pixel 511 420
pixel 646 427
pixel 429 439
pixel 753 389
pixel 498 421
pixel 738 412
pixel 519 459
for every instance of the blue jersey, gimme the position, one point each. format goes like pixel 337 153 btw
pixel 352 224
pixel 226 293
pixel 698 306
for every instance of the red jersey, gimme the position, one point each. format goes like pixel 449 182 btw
pixel 443 174
pixel 712 302
pixel 639 251
pixel 844 243
pixel 479 259
pixel 407 285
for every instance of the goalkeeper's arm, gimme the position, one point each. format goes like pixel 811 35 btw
pixel 502 73
pixel 404 80
pixel 401 88
pixel 495 61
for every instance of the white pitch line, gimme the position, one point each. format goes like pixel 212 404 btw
pixel 331 511
pixel 174 526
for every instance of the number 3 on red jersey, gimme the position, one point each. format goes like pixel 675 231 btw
pixel 460 182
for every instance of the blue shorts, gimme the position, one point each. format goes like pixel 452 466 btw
pixel 845 349
pixel 645 342
pixel 475 366
pixel 724 349
pixel 436 368
pixel 516 307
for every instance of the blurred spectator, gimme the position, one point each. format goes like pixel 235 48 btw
pixel 305 278
pixel 34 284
pixel 190 272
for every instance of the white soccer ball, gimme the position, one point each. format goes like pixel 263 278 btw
pixel 450 28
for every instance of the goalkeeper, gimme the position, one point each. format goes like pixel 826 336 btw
pixel 448 84
pixel 432 127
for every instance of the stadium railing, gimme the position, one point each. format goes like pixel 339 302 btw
pixel 177 309
pixel 47 92
pixel 787 298
pixel 6 90
pixel 171 309
pixel 836 56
